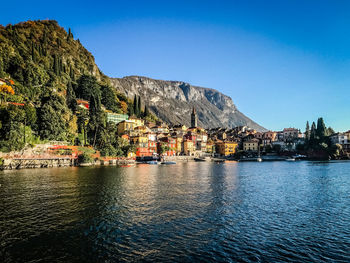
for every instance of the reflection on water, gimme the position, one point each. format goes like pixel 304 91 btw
pixel 248 212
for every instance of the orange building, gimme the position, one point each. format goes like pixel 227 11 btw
pixel 141 143
pixel 169 143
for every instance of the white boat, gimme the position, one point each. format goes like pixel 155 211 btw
pixel 290 159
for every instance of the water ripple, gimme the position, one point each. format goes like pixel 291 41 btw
pixel 246 212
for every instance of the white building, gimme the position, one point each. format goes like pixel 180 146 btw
pixel 339 138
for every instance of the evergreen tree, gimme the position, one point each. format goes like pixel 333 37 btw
pixel 330 131
pixel 131 110
pixel 313 132
pixel 135 105
pixel 146 112
pixel 87 86
pixel 1 69
pixel 71 74
pixel 139 107
pixel 321 129
pixel 307 131
pixel 70 98
pixel 109 99
pixel 44 39
pixel 33 52
pixel 96 118
pixel 56 67
pixel 70 35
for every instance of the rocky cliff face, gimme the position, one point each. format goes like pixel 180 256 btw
pixel 172 101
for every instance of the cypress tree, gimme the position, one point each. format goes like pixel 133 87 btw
pixel 146 112
pixel 69 36
pixel 321 128
pixel 131 110
pixel 44 39
pixel 71 98
pixel 307 131
pixel 313 131
pixel 1 68
pixel 96 117
pixel 33 52
pixel 139 107
pixel 135 104
pixel 56 65
pixel 61 69
pixel 71 74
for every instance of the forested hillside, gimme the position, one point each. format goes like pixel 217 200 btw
pixel 43 70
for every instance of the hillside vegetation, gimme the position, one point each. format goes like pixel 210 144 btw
pixel 43 70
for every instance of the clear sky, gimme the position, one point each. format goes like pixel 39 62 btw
pixel 282 62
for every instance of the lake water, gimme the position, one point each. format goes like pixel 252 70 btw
pixel 188 212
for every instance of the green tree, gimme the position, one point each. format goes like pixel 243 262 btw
pixel 1 68
pixel 139 107
pixel 313 132
pixel 87 86
pixel 30 116
pixel 56 66
pixel 330 131
pixel 71 98
pixel 33 52
pixel 69 35
pixel 135 105
pixel 146 112
pixel 97 119
pixel 307 131
pixel 71 73
pixel 321 128
pixel 109 99
pixel 52 124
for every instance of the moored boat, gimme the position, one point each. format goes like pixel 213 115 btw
pixel 152 162
pixel 168 162
pixel 290 160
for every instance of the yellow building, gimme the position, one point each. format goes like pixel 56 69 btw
pixel 210 148
pixel 137 121
pixel 188 147
pixel 179 144
pixel 141 129
pixel 251 145
pixel 125 127
pixel 180 128
pixel 226 148
pixel 141 140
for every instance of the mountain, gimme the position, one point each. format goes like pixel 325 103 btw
pixel 43 58
pixel 172 101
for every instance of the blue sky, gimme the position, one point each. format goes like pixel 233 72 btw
pixel 282 62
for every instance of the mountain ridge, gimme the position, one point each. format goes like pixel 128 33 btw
pixel 172 101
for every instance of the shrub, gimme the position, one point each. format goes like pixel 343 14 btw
pixel 85 158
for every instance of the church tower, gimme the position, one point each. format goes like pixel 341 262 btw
pixel 194 118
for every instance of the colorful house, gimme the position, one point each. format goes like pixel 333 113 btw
pixel 251 145
pixel 125 127
pixel 226 148
pixel 141 143
pixel 179 144
pixel 137 121
pixel 169 143
pixel 188 147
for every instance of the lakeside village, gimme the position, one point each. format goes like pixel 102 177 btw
pixel 150 141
